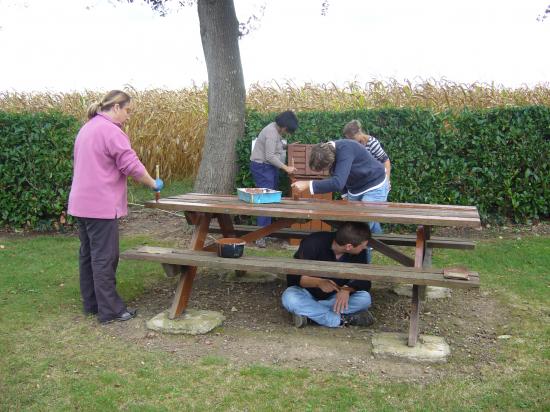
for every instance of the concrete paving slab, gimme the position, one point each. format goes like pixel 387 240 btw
pixel 432 292
pixel 428 348
pixel 192 322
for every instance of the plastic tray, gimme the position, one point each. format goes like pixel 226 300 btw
pixel 259 195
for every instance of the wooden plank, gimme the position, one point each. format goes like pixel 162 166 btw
pixel 226 225
pixel 192 218
pixel 250 237
pixel 421 235
pixel 300 231
pixel 339 204
pixel 185 283
pixel 323 210
pixel 391 253
pixel 322 206
pixel 267 230
pixel 433 243
pixel 283 266
pixel 414 317
pixel 426 260
pixel 232 198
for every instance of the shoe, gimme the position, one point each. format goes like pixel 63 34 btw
pixel 127 315
pixel 363 318
pixel 299 320
pixel 261 243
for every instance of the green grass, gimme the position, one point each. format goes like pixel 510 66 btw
pixel 51 358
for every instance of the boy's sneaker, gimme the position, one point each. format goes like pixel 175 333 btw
pixel 299 320
pixel 363 318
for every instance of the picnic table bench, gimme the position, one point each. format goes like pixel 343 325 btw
pixel 201 209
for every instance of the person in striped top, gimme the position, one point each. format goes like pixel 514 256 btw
pixel 353 130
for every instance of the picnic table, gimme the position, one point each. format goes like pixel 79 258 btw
pixel 201 209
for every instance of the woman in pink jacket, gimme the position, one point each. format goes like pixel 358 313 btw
pixel 103 159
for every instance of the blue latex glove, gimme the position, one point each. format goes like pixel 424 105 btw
pixel 159 184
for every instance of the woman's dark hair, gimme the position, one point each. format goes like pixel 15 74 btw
pixel 352 232
pixel 287 119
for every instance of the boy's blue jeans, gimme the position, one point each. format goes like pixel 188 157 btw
pixel 376 195
pixel 299 301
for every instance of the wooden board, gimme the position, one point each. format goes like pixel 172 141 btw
pixel 338 210
pixel 298 155
pixel 389 239
pixel 394 274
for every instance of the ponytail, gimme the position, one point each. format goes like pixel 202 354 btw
pixel 108 101
pixel 93 109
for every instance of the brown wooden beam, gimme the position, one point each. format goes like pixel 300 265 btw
pixel 391 252
pixel 415 304
pixel 185 283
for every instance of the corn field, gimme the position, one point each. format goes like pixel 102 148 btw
pixel 167 127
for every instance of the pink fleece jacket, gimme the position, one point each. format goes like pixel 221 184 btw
pixel 103 159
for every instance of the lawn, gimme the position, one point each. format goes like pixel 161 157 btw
pixel 52 358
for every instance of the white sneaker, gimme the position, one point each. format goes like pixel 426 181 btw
pixel 261 243
pixel 299 320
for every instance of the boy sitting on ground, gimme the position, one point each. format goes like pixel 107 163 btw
pixel 331 302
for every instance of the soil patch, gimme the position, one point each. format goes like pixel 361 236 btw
pixel 258 330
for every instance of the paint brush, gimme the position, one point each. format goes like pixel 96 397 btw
pixel 157 173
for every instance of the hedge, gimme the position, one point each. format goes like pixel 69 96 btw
pixel 35 167
pixel 496 159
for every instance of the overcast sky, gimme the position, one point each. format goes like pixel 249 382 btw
pixel 63 45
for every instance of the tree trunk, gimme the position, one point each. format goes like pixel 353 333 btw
pixel 226 95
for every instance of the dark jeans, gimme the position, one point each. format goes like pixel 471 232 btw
pixel 98 262
pixel 267 176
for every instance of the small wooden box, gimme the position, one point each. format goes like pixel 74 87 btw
pixel 298 156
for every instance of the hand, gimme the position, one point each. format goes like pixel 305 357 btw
pixel 290 170
pixel 159 184
pixel 342 301
pixel 301 185
pixel 327 286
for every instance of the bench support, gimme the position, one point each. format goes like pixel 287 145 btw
pixel 185 284
pixel 422 259
pixel 391 252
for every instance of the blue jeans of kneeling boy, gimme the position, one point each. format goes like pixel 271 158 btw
pixel 299 301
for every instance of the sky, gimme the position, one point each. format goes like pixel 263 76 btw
pixel 67 45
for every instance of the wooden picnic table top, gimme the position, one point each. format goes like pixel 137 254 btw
pixel 338 210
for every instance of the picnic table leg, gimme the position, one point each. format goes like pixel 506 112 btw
pixel 226 225
pixel 417 289
pixel 427 261
pixel 185 283
pixel 228 230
